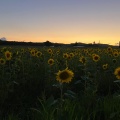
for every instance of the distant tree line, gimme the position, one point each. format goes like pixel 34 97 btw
pixel 48 43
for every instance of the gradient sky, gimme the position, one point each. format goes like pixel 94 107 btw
pixel 61 21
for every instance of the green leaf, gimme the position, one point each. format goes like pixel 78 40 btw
pixel 117 81
pixel 69 95
pixel 71 92
pixel 56 85
pixel 112 115
pixel 15 82
pixel 50 101
pixel 84 77
pixel 77 82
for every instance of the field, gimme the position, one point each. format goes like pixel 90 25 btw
pixel 59 83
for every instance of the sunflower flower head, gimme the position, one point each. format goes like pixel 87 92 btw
pixel 32 51
pixel 8 55
pixel 38 54
pixel 109 49
pixel 65 55
pixel 82 59
pixel 50 51
pixel 51 61
pixel 117 73
pixel 69 57
pixel 2 61
pixel 96 58
pixel 64 76
pixel 105 66
pixel 115 54
pixel 71 54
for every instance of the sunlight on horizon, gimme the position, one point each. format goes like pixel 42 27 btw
pixel 61 21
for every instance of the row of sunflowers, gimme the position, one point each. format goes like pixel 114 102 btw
pixel 105 58
pixel 27 73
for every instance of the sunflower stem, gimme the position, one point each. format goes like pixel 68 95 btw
pixel 66 64
pixel 61 91
pixel 61 98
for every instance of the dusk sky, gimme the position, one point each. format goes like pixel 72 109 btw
pixel 61 21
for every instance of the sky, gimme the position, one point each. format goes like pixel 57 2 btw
pixel 60 21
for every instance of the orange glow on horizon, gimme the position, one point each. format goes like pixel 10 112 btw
pixel 67 40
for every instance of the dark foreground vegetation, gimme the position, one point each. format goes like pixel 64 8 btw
pixel 29 89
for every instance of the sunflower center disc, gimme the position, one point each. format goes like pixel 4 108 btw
pixel 64 75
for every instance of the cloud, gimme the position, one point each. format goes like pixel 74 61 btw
pixel 3 39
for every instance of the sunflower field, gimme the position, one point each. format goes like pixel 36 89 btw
pixel 59 83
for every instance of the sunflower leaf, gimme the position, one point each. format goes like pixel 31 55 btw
pixel 77 82
pixel 69 95
pixel 117 81
pixel 56 85
pixel 71 92
pixel 50 101
pixel 15 82
pixel 84 77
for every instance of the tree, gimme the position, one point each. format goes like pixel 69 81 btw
pixel 48 43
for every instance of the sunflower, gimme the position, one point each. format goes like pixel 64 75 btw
pixel 115 54
pixel 50 61
pixel 69 57
pixel 50 51
pixel 105 66
pixel 64 76
pixel 82 59
pixel 32 51
pixel 71 54
pixel 57 52
pixel 65 55
pixel 2 61
pixel 38 53
pixel 96 58
pixel 8 55
pixel 117 72
pixel 109 49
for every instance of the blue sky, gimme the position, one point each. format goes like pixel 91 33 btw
pixel 64 21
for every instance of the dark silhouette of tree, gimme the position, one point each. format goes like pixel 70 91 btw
pixel 75 44
pixel 48 43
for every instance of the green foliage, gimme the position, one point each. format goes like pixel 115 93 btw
pixel 29 90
